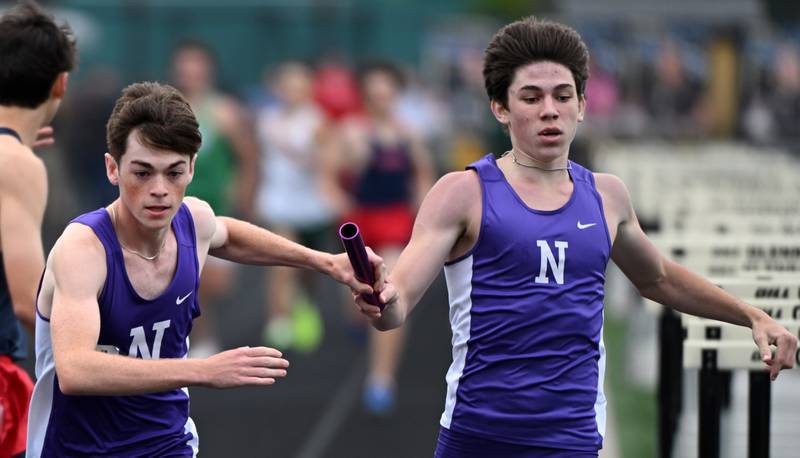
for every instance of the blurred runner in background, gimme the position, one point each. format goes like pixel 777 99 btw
pixel 293 135
pixel 227 170
pixel 387 170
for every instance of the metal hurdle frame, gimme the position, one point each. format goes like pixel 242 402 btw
pixel 723 197
pixel 710 257
pixel 714 347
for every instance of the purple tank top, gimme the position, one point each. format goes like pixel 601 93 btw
pixel 526 310
pixel 156 424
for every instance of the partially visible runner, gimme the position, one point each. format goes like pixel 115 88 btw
pixel 294 136
pixel 389 170
pixel 35 55
pixel 227 168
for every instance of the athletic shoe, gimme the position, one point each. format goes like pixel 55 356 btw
pixel 279 333
pixel 378 399
pixel 306 325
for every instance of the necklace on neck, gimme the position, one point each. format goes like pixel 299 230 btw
pixel 532 166
pixel 146 258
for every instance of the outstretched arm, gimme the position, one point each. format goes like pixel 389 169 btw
pixel 667 282
pixel 245 243
pixel 442 221
pixel 77 272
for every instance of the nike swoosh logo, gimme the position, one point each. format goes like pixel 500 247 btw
pixel 584 226
pixel 180 300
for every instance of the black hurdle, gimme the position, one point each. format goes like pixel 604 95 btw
pixel 670 379
pixel 759 405
pixel 711 399
pixel 710 406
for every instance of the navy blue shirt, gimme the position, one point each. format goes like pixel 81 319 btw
pixel 12 337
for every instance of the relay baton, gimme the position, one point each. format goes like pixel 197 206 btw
pixel 357 252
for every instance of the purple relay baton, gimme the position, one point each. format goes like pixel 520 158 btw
pixel 357 252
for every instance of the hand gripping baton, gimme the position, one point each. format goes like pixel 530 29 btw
pixel 357 252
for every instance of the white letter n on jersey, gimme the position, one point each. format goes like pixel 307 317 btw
pixel 547 258
pixel 139 343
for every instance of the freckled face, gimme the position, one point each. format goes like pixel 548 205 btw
pixel 152 182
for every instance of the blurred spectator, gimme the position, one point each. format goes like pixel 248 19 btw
pixel 602 103
pixel 389 171
pixel 225 170
pixel 88 108
pixel 631 120
pixel 292 136
pixel 602 100
pixel 785 100
pixel 335 90
pixel 472 128
pixel 757 120
pixel 773 107
pixel 422 109
pixel 673 98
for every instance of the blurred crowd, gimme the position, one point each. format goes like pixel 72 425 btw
pixel 692 86
pixel 685 84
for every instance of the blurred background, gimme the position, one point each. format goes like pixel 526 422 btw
pixel 288 114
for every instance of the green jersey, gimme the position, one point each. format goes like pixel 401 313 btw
pixel 214 167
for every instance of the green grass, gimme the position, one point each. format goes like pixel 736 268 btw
pixel 634 408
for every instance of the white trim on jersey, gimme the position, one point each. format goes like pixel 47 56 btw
pixel 189 427
pixel 600 402
pixel 459 290
pixel 194 442
pixel 42 399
